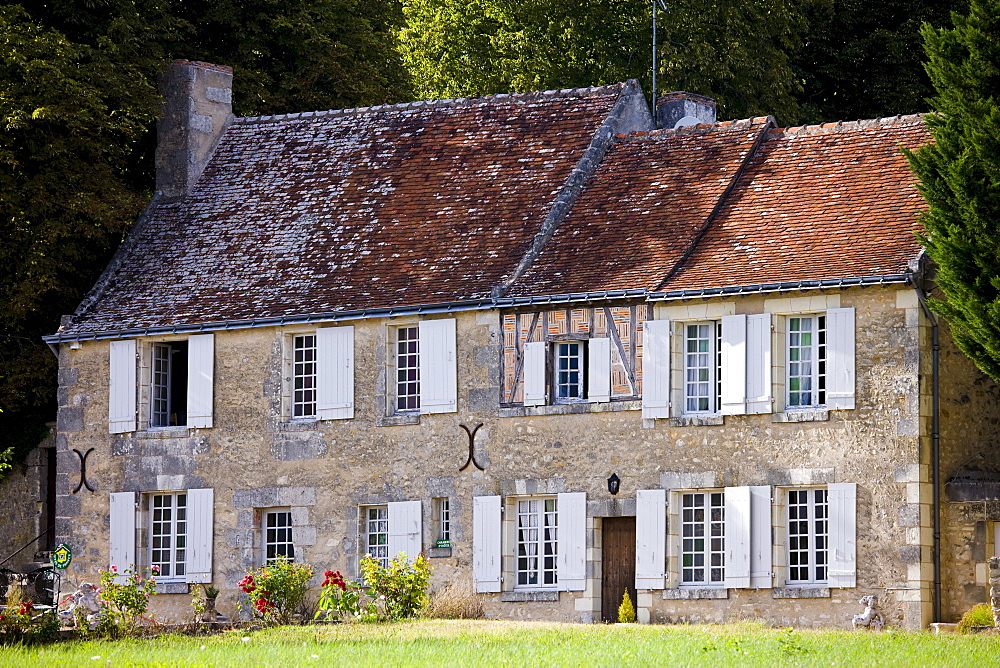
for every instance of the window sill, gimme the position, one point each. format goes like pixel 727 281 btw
pixel 298 425
pixel 529 595
pixel 810 415
pixel 165 432
pixel 571 409
pixel 801 592
pixel 397 420
pixel 173 588
pixel 697 421
pixel 434 552
pixel 695 594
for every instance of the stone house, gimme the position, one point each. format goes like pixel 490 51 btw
pixel 560 352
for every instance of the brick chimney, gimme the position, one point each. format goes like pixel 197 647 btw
pixel 675 110
pixel 197 106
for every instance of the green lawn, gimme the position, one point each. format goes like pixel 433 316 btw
pixel 491 643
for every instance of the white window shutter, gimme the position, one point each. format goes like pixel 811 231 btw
pixel 734 365
pixel 599 369
pixel 335 373
pixel 840 358
pixel 122 387
pixel 405 529
pixel 655 370
pixel 438 367
pixel 650 538
pixel 122 516
pixel 842 499
pixel 201 372
pixel 534 374
pixel 760 537
pixel 758 374
pixel 571 560
pixel 737 537
pixel 201 534
pixel 486 543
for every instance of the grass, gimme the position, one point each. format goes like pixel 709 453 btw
pixel 492 643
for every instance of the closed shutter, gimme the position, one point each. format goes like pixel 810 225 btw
pixel 760 537
pixel 842 499
pixel 404 529
pixel 201 533
pixel 599 370
pixel 201 371
pixel 656 369
pixel 534 373
pixel 122 390
pixel 571 562
pixel 737 537
pixel 759 398
pixel 840 358
pixel 122 548
pixel 486 543
pixel 438 367
pixel 335 373
pixel 734 365
pixel 650 538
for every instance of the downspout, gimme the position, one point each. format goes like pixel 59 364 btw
pixel 935 445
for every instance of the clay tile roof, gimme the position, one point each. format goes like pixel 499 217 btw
pixel 386 206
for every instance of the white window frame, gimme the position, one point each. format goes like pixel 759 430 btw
pixel 536 542
pixel 279 536
pixel 816 532
pixel 581 371
pixel 162 378
pixel 714 368
pixel 442 517
pixel 305 376
pixel 375 523
pixel 178 529
pixel 412 366
pixel 818 352
pixel 712 553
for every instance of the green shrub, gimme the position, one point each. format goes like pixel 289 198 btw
pixel 276 590
pixel 21 623
pixel 626 611
pixel 980 615
pixel 342 599
pixel 402 585
pixel 125 601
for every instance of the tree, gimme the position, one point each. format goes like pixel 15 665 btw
pixel 960 179
pixel 732 50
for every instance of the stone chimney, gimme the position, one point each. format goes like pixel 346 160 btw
pixel 675 110
pixel 197 106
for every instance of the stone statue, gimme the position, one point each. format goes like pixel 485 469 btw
pixel 871 618
pixel 85 600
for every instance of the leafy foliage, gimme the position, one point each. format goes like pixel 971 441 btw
pixel 402 585
pixel 126 597
pixel 978 615
pixel 626 611
pixel 960 179
pixel 276 590
pixel 342 599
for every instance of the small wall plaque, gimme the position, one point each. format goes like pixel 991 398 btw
pixel 61 556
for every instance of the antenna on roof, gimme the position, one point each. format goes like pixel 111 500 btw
pixel 662 5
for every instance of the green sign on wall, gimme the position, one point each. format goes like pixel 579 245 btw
pixel 61 556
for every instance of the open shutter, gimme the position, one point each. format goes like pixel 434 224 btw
pixel 758 374
pixel 122 390
pixel 438 367
pixel 534 374
pixel 737 537
pixel 599 370
pixel 404 529
pixel 650 538
pixel 571 562
pixel 335 373
pixel 656 370
pixel 201 533
pixel 760 537
pixel 486 543
pixel 201 371
pixel 122 516
pixel 842 499
pixel 734 365
pixel 840 358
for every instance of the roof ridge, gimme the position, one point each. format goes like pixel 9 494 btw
pixel 699 128
pixel 845 126
pixel 589 91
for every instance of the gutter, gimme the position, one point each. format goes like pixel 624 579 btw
pixel 935 444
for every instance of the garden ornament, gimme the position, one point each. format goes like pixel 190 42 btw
pixel 871 618
pixel 84 598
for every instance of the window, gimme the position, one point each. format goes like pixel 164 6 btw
pixel 168 532
pixel 808 536
pixel 304 376
pixel 806 367
pixel 442 512
pixel 536 543
pixel 278 535
pixel 168 386
pixel 703 538
pixel 407 353
pixel 702 367
pixel 570 361
pixel 376 528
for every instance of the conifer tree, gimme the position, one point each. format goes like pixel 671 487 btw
pixel 960 179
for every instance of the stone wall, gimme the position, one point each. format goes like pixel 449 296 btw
pixel 22 519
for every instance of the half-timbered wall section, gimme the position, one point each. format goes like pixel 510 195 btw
pixel 621 326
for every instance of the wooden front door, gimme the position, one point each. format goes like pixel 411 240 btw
pixel 618 564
